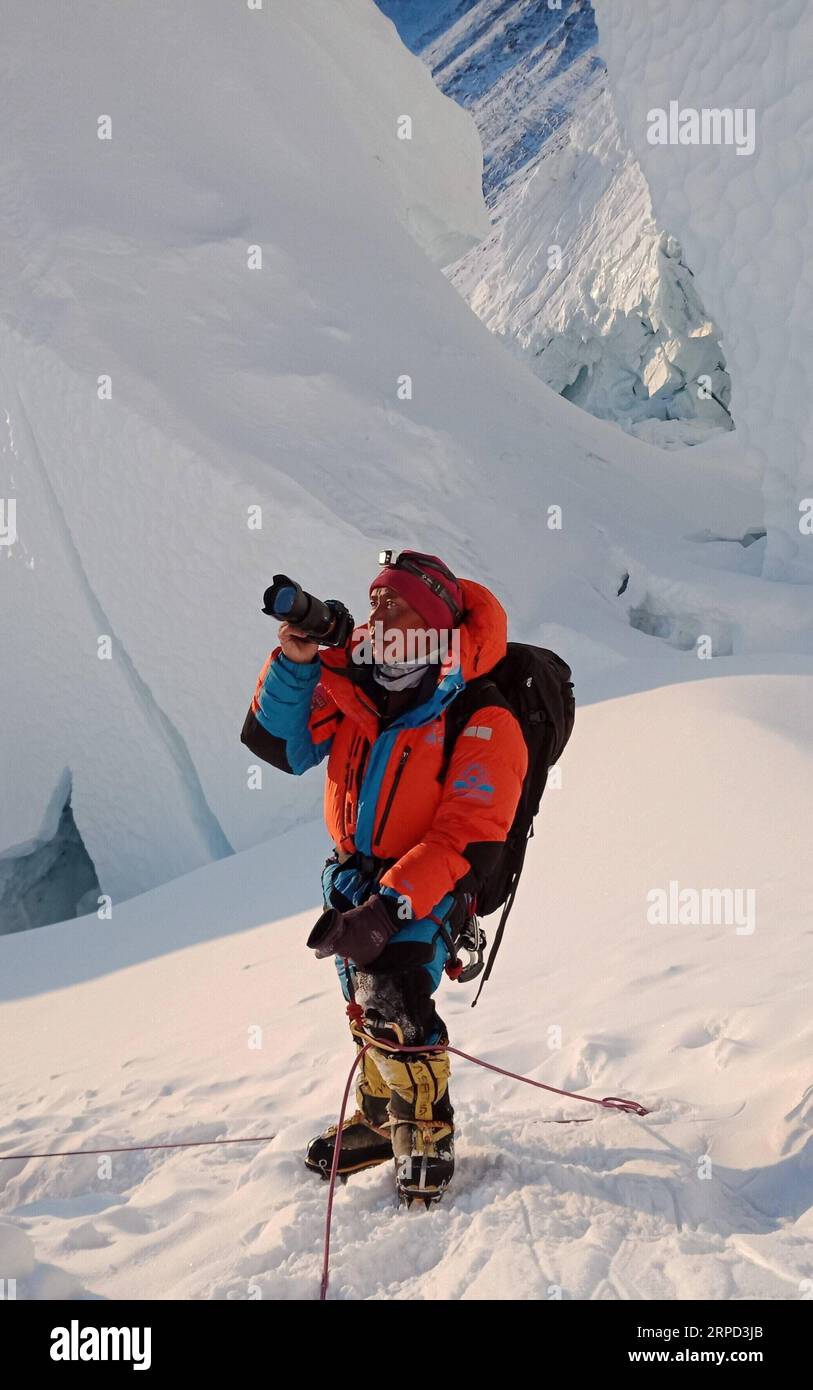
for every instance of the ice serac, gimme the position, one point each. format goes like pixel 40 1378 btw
pixel 423 147
pixel 576 275
pixel 743 216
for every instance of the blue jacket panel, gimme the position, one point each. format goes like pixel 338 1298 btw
pixel 284 707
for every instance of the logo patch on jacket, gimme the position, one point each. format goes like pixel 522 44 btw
pixel 478 731
pixel 473 782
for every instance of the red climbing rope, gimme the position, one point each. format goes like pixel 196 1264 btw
pixel 608 1102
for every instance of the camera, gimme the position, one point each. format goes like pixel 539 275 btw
pixel 329 623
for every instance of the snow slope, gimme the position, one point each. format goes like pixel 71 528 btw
pixel 278 388
pixel 576 273
pixel 744 219
pixel 144 1030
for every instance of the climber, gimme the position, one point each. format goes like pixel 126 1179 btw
pixel 414 834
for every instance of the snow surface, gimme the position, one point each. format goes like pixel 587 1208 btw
pixel 234 387
pixel 140 1031
pixel 617 324
pixel 744 220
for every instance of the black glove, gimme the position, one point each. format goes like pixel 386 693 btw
pixel 360 934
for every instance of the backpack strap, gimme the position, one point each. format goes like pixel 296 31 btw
pixel 481 692
pixel 509 903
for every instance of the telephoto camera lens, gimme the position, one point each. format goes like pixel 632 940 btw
pixel 328 623
pixel 284 601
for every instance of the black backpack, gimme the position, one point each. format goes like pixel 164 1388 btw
pixel 535 685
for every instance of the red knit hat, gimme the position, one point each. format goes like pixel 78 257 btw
pixel 427 584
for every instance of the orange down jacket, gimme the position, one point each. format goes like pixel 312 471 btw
pixel 383 796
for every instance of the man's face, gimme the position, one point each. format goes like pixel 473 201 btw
pixel 395 616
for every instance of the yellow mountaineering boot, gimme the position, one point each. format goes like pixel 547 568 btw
pixel 422 1123
pixel 365 1139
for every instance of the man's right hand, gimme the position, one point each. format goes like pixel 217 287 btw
pixel 296 646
